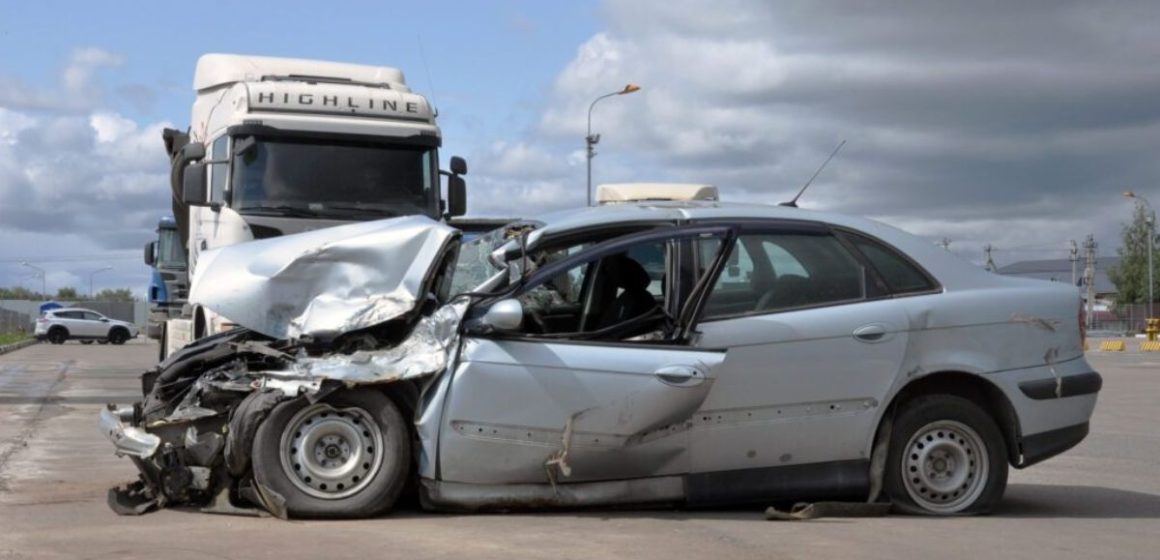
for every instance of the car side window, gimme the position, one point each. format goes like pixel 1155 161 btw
pixel 597 294
pixel 897 271
pixel 789 271
pixel 219 171
pixel 90 316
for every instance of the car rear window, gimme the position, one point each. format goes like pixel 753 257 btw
pixel 900 275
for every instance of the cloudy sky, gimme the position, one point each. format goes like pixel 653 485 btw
pixel 1015 124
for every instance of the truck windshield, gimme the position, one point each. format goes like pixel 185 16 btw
pixel 170 253
pixel 339 180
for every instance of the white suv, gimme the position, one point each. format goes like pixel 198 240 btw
pixel 85 325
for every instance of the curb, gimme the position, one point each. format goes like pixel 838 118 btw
pixel 17 345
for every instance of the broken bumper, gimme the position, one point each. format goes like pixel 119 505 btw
pixel 127 440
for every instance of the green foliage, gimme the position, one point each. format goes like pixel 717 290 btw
pixel 19 292
pixel 67 294
pixel 1131 274
pixel 119 294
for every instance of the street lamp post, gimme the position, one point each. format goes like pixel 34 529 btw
pixel 43 280
pixel 1151 238
pixel 94 273
pixel 591 139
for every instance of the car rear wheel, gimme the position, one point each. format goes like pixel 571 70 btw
pixel 946 457
pixel 118 336
pixel 346 456
pixel 57 335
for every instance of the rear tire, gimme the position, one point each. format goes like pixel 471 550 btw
pixel 57 335
pixel 346 456
pixel 947 457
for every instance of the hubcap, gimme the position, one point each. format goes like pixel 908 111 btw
pixel 945 466
pixel 331 453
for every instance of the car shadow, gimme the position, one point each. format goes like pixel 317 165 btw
pixel 1077 502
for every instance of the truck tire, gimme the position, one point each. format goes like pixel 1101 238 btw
pixel 346 456
pixel 57 335
pixel 118 335
pixel 947 457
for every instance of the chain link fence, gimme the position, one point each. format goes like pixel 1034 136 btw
pixel 1126 319
pixel 14 322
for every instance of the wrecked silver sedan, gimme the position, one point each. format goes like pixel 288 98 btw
pixel 665 353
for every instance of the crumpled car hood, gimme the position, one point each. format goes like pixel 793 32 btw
pixel 325 282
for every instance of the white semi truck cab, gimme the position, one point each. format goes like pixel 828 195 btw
pixel 279 146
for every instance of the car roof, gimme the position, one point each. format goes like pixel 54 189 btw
pixel 58 310
pixel 950 270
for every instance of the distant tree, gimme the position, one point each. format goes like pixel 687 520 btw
pixel 119 294
pixel 1131 274
pixel 18 292
pixel 67 293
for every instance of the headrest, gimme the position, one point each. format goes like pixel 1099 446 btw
pixel 628 273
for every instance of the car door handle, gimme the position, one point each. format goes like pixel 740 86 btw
pixel 870 333
pixel 680 375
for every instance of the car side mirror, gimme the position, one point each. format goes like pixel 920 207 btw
pixel 104 319
pixel 458 165
pixel 456 196
pixel 150 253
pixel 504 316
pixel 193 185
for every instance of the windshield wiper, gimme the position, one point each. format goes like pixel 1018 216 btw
pixel 364 210
pixel 281 210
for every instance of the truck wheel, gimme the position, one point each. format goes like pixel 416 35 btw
pixel 946 457
pixel 346 456
pixel 118 335
pixel 57 335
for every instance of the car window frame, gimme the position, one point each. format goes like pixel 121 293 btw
pixel 846 234
pixel 759 226
pixel 674 267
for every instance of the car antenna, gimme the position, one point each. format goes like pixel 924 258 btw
pixel 793 203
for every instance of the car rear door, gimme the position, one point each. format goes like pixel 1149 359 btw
pixel 809 362
pixel 550 407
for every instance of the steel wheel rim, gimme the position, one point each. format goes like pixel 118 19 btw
pixel 331 453
pixel 945 466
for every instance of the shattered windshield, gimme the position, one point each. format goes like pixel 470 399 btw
pixel 474 265
pixel 338 179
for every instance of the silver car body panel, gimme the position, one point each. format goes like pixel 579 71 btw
pixel 507 420
pixel 323 282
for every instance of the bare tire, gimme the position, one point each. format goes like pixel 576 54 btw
pixel 947 457
pixel 118 336
pixel 346 456
pixel 57 335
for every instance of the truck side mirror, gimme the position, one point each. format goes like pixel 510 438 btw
pixel 458 165
pixel 456 196
pixel 150 253
pixel 193 185
pixel 193 151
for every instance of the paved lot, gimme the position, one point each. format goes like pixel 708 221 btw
pixel 1101 500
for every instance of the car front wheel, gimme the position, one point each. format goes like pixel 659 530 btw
pixel 946 457
pixel 118 336
pixel 346 456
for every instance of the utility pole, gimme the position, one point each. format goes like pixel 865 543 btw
pixel 989 264
pixel 1074 258
pixel 1089 276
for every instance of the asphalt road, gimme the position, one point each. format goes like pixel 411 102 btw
pixel 1100 500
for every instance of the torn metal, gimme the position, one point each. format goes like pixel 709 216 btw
pixel 325 282
pixel 322 310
